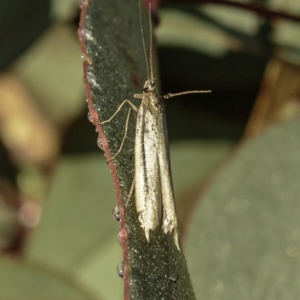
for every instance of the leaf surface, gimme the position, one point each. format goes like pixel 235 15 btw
pixel 244 238
pixel 115 69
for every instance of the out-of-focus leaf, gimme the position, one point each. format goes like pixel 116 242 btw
pixel 52 72
pixel 77 233
pixel 193 161
pixel 29 137
pixel 77 226
pixel 115 70
pixel 97 270
pixel 245 237
pixel 72 221
pixel 21 22
pixel 23 281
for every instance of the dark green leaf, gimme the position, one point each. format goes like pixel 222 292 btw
pixel 245 237
pixel 111 40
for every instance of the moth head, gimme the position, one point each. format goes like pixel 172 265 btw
pixel 149 86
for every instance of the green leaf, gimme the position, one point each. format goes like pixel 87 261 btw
pixel 24 281
pixel 245 238
pixel 114 70
pixel 77 234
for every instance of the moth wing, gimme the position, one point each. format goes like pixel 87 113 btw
pixel 147 178
pixel 168 199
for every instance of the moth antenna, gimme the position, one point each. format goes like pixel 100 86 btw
pixel 170 95
pixel 151 43
pixel 143 39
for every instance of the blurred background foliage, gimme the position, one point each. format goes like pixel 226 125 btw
pixel 57 237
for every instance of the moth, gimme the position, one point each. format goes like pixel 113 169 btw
pixel 154 196
pixel 153 186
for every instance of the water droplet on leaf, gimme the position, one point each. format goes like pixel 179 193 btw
pixel 82 3
pixel 90 117
pixel 120 269
pixel 91 79
pixel 117 213
pixel 87 34
pixel 99 143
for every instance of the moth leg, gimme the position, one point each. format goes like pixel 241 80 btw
pixel 125 134
pixel 138 96
pixel 119 108
pixel 132 107
pixel 131 189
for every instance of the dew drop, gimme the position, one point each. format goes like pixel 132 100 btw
pixel 120 269
pixel 90 117
pixel 117 213
pixel 100 144
pixel 173 277
pixel 87 34
pixel 91 79
pixel 82 3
